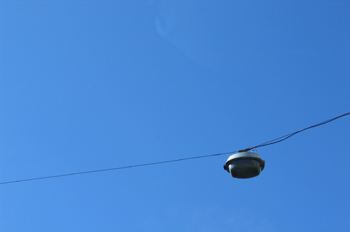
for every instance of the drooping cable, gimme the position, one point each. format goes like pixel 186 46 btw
pixel 111 169
pixel 274 141
pixel 284 137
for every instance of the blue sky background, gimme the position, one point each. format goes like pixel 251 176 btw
pixel 89 85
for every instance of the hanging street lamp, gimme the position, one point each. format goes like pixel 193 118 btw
pixel 244 164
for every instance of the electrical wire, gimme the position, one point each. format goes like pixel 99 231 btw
pixel 274 141
pixel 116 168
pixel 287 136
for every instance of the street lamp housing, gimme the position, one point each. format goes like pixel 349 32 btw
pixel 244 165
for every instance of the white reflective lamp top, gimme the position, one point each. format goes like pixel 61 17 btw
pixel 244 165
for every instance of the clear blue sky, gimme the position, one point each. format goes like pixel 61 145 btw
pixel 89 85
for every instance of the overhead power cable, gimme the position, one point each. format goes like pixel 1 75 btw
pixel 112 169
pixel 287 136
pixel 274 141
